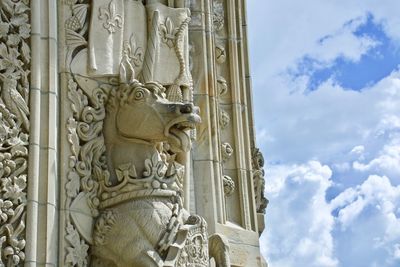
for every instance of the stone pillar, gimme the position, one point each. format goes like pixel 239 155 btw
pixel 222 155
pixel 43 179
pixel 29 133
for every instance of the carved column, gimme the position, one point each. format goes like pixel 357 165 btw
pixel 224 189
pixel 43 183
pixel 28 133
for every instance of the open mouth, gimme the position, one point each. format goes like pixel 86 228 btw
pixel 178 132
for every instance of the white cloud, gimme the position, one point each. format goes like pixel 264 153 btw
pixel 358 150
pixel 282 32
pixel 343 44
pixel 328 122
pixel 368 224
pixel 356 132
pixel 300 222
pixel 396 251
pixel 387 162
pixel 298 126
pixel 302 230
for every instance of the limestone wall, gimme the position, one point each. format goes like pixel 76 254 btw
pixel 126 134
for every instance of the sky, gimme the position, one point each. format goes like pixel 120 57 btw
pixel 326 86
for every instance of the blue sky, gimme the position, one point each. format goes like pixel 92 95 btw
pixel 326 76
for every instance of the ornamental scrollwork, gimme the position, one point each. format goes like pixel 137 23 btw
pixel 86 163
pixel 15 56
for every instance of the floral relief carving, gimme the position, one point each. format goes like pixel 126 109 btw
pixel 227 151
pixel 168 32
pixel 132 52
pixel 220 54
pixel 195 252
pixel 224 119
pixel 77 252
pixel 173 37
pixel 112 20
pixel 218 16
pixel 78 19
pixel 14 128
pixel 229 185
pixel 87 162
pixel 76 25
pixel 222 86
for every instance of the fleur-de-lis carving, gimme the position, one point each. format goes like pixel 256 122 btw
pixel 112 19
pixel 168 32
pixel 133 52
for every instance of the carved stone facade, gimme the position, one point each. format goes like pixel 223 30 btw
pixel 127 139
pixel 15 58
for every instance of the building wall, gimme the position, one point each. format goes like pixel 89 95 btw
pixel 51 160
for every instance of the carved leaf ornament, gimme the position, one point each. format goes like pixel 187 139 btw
pixel 14 126
pixel 77 253
pixel 87 162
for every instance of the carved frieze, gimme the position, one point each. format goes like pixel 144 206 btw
pixel 14 128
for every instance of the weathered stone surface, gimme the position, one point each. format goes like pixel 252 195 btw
pixel 15 58
pixel 127 138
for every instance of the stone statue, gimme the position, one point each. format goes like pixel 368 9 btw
pixel 134 142
pixel 142 221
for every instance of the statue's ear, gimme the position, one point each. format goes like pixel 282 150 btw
pixel 126 71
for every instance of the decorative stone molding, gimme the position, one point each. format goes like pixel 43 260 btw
pixel 87 160
pixel 219 249
pixel 227 151
pixel 229 185
pixel 259 181
pixel 224 119
pixel 112 20
pixel 222 86
pixel 220 54
pixel 15 59
pixel 218 16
